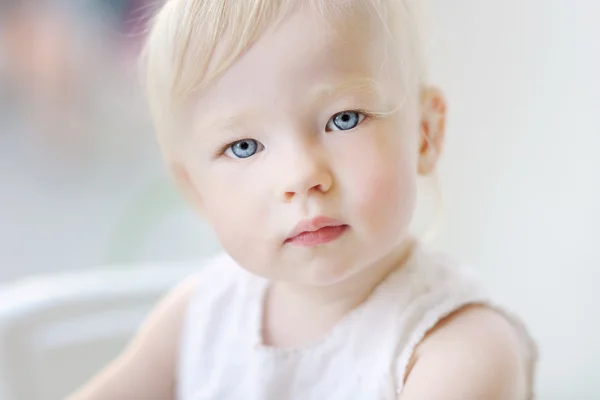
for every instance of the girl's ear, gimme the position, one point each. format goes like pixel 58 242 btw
pixel 185 185
pixel 433 127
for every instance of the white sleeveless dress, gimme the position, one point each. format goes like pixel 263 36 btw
pixel 365 356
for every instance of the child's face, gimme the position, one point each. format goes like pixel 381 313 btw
pixel 299 158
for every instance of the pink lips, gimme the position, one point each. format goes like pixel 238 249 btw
pixel 316 231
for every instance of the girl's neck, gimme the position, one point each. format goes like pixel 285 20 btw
pixel 297 314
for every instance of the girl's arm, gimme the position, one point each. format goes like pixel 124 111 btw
pixel 146 369
pixel 474 354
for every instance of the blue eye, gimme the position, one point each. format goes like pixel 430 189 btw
pixel 244 148
pixel 345 120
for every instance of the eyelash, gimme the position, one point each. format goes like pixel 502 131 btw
pixel 368 116
pixel 221 150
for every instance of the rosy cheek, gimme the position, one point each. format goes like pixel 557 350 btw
pixel 384 191
pixel 232 210
pixel 385 186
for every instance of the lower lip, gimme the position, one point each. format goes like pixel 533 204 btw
pixel 321 236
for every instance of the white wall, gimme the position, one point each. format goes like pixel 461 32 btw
pixel 521 173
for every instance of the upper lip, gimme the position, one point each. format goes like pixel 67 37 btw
pixel 313 224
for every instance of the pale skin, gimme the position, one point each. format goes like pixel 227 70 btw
pixel 305 165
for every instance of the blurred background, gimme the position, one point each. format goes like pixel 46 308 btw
pixel 89 217
pixel 81 174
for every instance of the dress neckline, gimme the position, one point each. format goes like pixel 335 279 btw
pixel 259 297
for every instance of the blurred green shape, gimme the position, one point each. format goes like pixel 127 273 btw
pixel 154 204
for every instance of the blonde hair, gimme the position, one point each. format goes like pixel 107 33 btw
pixel 179 59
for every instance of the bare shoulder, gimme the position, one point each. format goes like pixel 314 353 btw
pixel 146 369
pixel 475 353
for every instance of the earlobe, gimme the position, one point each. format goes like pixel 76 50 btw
pixel 432 128
pixel 185 185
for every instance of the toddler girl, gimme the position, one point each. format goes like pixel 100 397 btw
pixel 297 129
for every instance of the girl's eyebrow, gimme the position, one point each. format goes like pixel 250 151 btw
pixel 350 85
pixel 229 122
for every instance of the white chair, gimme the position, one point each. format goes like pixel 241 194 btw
pixel 57 331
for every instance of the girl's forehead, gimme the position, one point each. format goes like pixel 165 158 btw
pixel 303 54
